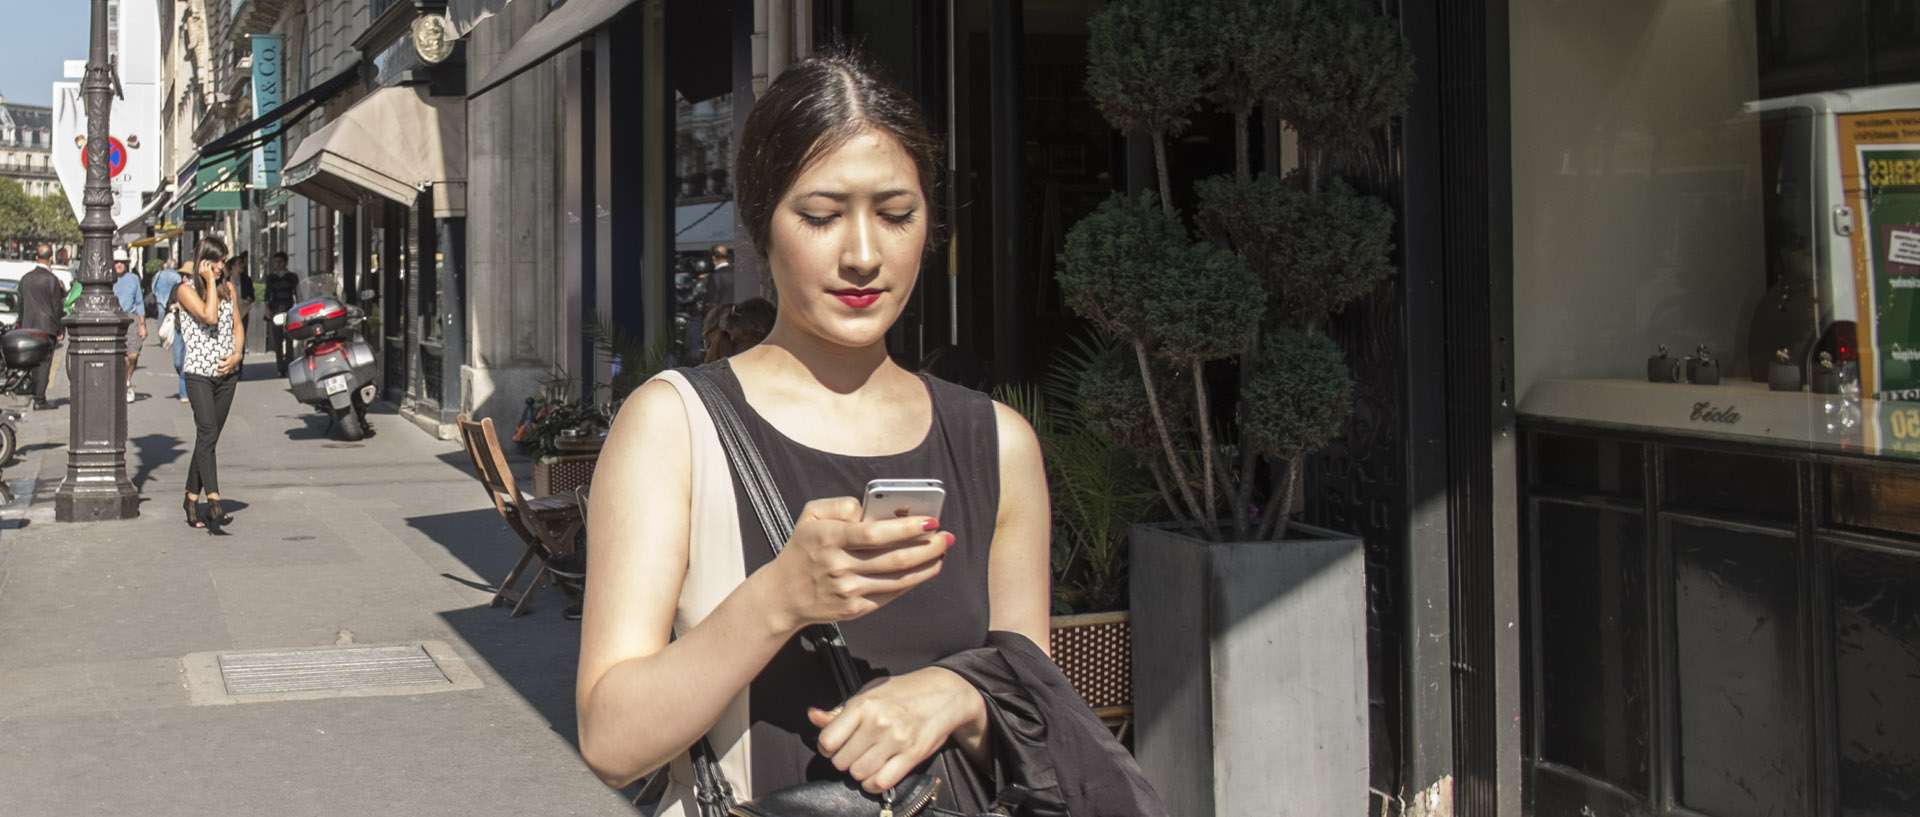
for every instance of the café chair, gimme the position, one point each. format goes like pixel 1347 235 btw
pixel 548 525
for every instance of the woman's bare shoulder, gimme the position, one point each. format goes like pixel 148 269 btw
pixel 653 410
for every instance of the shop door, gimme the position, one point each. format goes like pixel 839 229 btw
pixel 426 304
pixel 392 254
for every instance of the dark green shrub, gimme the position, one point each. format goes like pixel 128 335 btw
pixel 1291 251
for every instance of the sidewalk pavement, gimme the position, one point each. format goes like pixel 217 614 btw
pixel 386 542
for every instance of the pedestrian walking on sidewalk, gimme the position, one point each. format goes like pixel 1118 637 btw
pixel 213 340
pixel 835 182
pixel 283 285
pixel 42 305
pixel 126 287
pixel 240 273
pixel 165 283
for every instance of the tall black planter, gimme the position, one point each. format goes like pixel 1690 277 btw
pixel 1250 672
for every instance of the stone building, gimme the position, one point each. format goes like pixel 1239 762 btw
pixel 311 120
pixel 26 147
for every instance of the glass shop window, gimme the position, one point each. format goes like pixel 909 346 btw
pixel 1716 219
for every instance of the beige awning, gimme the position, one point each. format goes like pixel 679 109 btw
pixel 395 143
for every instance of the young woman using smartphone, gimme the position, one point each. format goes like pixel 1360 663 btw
pixel 835 183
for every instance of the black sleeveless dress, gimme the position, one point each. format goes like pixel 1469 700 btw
pixel 946 615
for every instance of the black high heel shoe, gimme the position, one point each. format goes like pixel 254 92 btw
pixel 217 516
pixel 192 507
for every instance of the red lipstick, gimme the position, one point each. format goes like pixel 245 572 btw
pixel 857 298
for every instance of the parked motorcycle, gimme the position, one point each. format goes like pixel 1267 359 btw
pixel 333 370
pixel 21 350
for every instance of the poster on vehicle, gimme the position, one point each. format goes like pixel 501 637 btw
pixel 1881 156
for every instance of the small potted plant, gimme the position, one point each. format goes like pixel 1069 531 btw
pixel 1232 383
pixel 1098 491
pixel 560 427
pixel 555 415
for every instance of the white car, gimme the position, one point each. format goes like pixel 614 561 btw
pixel 14 270
pixel 9 303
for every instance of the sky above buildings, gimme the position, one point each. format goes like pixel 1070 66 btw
pixel 43 35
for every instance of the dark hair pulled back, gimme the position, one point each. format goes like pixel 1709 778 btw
pixel 211 248
pixel 811 109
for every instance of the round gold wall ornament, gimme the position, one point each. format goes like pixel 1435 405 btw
pixel 433 38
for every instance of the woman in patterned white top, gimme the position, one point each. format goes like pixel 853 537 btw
pixel 213 340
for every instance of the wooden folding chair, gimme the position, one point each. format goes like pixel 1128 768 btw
pixel 548 524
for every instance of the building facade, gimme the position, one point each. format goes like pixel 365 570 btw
pixel 26 147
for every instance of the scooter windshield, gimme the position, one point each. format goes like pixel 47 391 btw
pixel 316 286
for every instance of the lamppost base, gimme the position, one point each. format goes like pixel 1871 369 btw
pixel 105 503
pixel 96 487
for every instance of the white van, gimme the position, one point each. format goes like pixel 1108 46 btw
pixel 1843 236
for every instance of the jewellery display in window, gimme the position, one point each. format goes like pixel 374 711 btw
pixel 1824 379
pixel 1702 369
pixel 1782 374
pixel 1663 369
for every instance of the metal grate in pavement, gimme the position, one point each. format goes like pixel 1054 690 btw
pixel 314 673
pixel 329 669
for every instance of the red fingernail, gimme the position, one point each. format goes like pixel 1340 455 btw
pixel 932 524
pixel 950 540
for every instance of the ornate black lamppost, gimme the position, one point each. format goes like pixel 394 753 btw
pixel 96 486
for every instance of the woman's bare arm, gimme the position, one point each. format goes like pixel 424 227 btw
pixel 238 356
pixel 640 701
pixel 1019 569
pixel 205 310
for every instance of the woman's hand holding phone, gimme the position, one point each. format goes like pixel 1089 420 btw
pixel 836 567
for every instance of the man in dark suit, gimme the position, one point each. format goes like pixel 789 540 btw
pixel 42 305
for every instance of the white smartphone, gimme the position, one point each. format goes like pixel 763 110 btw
pixel 895 498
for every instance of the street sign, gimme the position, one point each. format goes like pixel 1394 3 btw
pixel 266 97
pixel 223 185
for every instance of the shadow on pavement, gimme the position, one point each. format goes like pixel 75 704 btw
pixel 536 653
pixel 315 426
pixel 153 451
pixel 260 371
pixel 521 467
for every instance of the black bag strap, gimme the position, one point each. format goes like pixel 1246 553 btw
pixel 713 794
pixel 775 517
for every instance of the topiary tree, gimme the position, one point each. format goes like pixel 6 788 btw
pixel 1286 252
pixel 1248 49
pixel 1351 72
pixel 1143 70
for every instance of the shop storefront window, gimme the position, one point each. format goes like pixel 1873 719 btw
pixel 703 215
pixel 1712 533
pixel 1715 181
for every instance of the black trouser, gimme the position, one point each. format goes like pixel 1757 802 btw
pixel 278 340
pixel 211 398
pixel 41 374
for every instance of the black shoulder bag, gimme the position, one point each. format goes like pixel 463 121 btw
pixel 918 794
